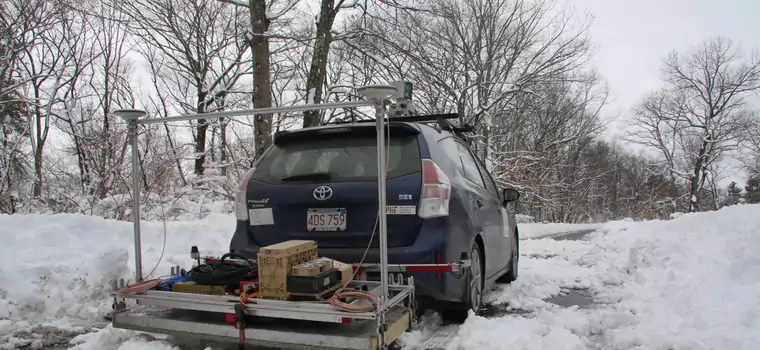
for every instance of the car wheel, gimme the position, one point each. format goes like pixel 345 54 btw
pixel 511 275
pixel 476 280
pixel 458 312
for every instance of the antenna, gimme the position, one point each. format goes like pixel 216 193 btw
pixel 376 93
pixel 404 105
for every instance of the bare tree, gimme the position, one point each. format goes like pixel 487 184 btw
pixel 475 56
pixel 14 165
pixel 204 47
pixel 261 14
pixel 97 140
pixel 751 159
pixel 21 22
pixel 656 125
pixel 52 65
pixel 319 57
pixel 702 113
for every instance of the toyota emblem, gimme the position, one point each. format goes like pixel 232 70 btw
pixel 323 193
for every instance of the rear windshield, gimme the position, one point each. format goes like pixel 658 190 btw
pixel 337 160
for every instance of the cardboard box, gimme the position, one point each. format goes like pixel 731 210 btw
pixel 346 271
pixel 312 267
pixel 192 287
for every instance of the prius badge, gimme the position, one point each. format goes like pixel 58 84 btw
pixel 323 193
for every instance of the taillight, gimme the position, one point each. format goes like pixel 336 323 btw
pixel 436 191
pixel 241 210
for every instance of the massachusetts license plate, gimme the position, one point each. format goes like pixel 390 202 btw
pixel 333 219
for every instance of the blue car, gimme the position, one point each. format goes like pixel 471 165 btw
pixel 320 184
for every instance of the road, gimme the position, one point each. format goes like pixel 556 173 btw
pixel 573 297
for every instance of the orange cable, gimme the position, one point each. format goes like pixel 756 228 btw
pixel 139 287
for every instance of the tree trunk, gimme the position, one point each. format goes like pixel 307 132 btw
pixel 318 69
pixel 262 89
pixel 223 145
pixel 696 178
pixel 200 134
pixel 107 150
pixel 37 188
pixel 106 157
pixel 212 144
pixel 175 154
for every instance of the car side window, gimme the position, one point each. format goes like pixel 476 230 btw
pixel 490 184
pixel 451 151
pixel 470 167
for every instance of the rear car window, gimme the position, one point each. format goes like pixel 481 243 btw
pixel 338 159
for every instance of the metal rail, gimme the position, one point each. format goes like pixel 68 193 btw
pixel 257 111
pixel 311 311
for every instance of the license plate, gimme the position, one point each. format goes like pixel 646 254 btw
pixel 326 219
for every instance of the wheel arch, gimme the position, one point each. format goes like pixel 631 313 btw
pixel 482 247
pixel 517 239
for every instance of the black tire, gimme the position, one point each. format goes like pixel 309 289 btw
pixel 474 297
pixel 514 267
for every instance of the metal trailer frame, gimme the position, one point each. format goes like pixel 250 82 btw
pixel 393 315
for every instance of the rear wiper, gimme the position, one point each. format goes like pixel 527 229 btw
pixel 308 176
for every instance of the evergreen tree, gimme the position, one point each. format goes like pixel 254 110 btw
pixel 753 189
pixel 734 194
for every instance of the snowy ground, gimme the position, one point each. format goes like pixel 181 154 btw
pixel 688 283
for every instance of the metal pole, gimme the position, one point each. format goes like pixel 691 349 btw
pixel 382 223
pixel 257 111
pixel 132 134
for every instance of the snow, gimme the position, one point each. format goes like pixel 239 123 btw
pixel 57 269
pixel 110 338
pixel 692 282
pixel 688 283
pixel 311 95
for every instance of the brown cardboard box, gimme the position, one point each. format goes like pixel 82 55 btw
pixel 346 271
pixel 312 267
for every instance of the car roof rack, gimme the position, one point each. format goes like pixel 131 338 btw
pixel 441 120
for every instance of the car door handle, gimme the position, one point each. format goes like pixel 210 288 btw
pixel 479 202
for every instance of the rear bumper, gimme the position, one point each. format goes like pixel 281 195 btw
pixel 445 288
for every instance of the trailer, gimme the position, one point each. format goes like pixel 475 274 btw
pixel 318 324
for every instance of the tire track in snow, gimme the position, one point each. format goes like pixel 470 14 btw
pixel 438 336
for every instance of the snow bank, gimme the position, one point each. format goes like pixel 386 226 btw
pixel 688 283
pixel 692 282
pixel 57 269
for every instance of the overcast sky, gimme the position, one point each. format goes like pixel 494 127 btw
pixel 632 37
